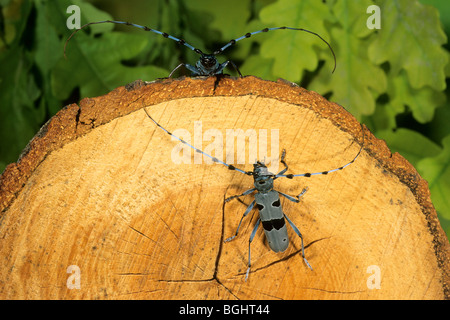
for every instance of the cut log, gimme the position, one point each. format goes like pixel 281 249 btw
pixel 103 204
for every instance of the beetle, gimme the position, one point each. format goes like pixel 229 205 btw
pixel 207 65
pixel 267 200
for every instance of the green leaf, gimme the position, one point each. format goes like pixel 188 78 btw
pixel 244 49
pixel 2 166
pixel 439 127
pixel 357 82
pixel 94 65
pixel 411 39
pixel 18 92
pixel 56 14
pixel 294 51
pixel 444 11
pixel 410 144
pixel 89 13
pixel 384 118
pixel 422 102
pixel 45 55
pixel 436 170
pixel 445 224
pixel 221 11
pixel 352 16
pixel 258 65
pixel 46 40
pixel 20 117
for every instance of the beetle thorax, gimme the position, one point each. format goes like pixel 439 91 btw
pixel 263 179
pixel 207 63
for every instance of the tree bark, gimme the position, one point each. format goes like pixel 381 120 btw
pixel 98 207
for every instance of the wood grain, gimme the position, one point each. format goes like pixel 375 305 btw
pixel 99 188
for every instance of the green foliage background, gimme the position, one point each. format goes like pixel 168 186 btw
pixel 394 79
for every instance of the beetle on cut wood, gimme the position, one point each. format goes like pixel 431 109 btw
pixel 267 200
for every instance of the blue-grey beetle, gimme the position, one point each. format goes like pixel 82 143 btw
pixel 267 200
pixel 207 65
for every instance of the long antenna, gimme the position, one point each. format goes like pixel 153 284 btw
pixel 165 35
pixel 248 35
pixel 214 159
pixel 290 176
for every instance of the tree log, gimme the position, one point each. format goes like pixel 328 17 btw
pixel 103 204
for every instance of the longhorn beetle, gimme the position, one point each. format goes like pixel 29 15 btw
pixel 207 65
pixel 267 200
